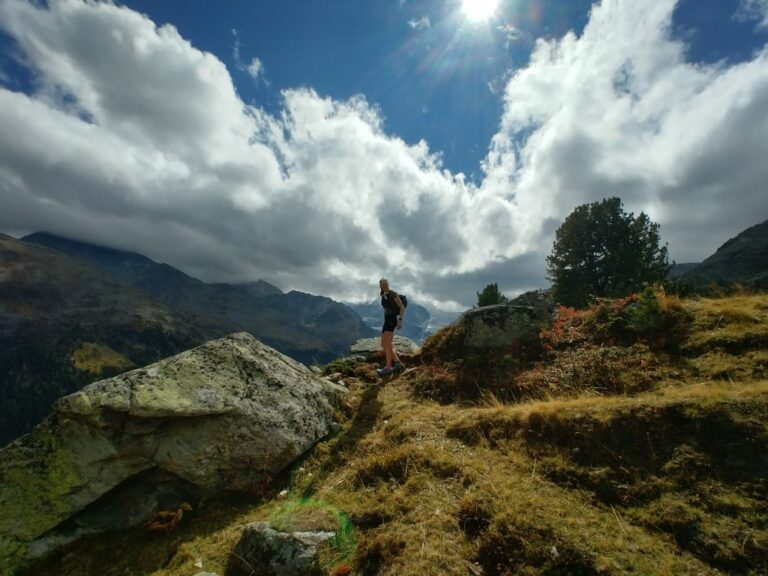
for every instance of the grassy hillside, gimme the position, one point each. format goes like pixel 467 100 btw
pixel 630 438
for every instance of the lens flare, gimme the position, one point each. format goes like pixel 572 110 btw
pixel 477 10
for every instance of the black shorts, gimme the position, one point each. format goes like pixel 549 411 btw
pixel 390 323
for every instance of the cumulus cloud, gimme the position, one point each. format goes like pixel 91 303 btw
pixel 619 111
pixel 134 138
pixel 148 147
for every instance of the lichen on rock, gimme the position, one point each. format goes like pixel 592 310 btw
pixel 221 417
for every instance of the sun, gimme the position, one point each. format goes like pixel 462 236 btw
pixel 476 10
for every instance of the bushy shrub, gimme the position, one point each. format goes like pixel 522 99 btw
pixel 652 317
pixel 565 331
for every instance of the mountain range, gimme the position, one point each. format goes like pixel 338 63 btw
pixel 72 313
pixel 416 327
pixel 308 328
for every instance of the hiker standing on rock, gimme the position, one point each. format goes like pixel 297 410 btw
pixel 393 318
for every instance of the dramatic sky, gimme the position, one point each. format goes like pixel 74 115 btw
pixel 322 144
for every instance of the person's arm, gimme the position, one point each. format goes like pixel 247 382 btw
pixel 402 312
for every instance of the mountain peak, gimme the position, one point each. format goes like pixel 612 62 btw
pixel 741 260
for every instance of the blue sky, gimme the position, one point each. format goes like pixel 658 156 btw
pixel 322 144
pixel 434 74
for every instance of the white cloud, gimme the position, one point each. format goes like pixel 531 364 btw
pixel 421 24
pixel 754 10
pixel 148 147
pixel 511 33
pixel 619 111
pixel 255 68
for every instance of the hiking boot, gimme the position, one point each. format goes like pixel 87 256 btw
pixel 398 367
pixel 384 372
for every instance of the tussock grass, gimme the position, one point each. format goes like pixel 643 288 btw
pixel 728 324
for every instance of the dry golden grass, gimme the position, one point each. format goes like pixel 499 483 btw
pixel 670 480
pixel 729 324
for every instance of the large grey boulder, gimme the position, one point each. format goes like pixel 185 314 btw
pixel 224 416
pixel 499 326
pixel 495 327
pixel 371 346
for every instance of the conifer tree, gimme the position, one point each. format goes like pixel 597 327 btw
pixel 490 296
pixel 600 250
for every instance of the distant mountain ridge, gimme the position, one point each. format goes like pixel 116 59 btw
pixel 741 260
pixel 306 327
pixel 168 284
pixel 72 313
pixel 415 327
pixel 680 270
pixel 64 324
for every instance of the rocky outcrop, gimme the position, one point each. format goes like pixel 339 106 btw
pixel 224 416
pixel 371 346
pixel 489 328
pixel 492 327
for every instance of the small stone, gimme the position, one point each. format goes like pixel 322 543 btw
pixel 199 563
pixel 268 551
pixel 283 493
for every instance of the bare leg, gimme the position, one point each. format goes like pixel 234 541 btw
pixel 386 343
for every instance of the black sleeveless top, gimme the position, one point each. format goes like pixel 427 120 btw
pixel 388 302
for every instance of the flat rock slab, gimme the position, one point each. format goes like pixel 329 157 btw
pixel 371 346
